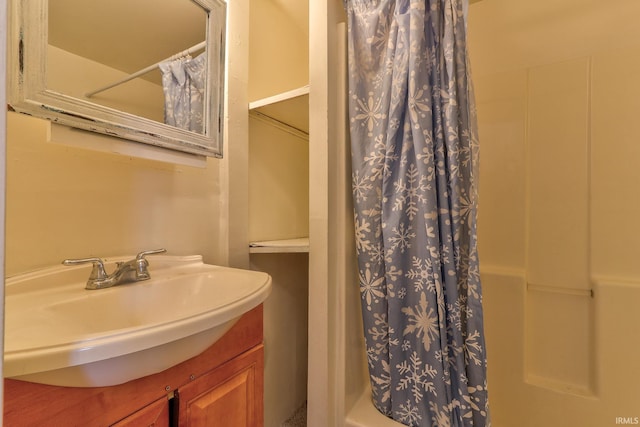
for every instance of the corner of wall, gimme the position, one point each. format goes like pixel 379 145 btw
pixel 234 172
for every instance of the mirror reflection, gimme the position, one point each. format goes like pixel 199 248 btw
pixel 143 57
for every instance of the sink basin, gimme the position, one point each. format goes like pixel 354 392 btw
pixel 58 333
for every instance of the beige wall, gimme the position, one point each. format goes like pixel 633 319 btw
pixel 557 96
pixel 66 202
pixel 285 334
pixel 279 40
pixel 278 183
pixel 278 209
pixel 75 76
pixel 279 199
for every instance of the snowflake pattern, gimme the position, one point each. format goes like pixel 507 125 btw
pixel 368 112
pixel 422 275
pixel 380 334
pixel 401 239
pixel 408 413
pixel 371 286
pixel 414 156
pixel 416 377
pixel 410 192
pixel 422 321
pixel 361 187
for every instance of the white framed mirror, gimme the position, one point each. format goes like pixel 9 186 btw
pixel 150 71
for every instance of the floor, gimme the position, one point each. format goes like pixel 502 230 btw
pixel 298 419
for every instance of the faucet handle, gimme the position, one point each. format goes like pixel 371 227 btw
pixel 143 254
pixel 97 273
pixel 141 263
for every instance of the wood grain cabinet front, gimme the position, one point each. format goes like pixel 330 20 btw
pixel 227 396
pixel 223 386
pixel 156 414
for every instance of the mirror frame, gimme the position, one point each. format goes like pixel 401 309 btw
pixel 27 92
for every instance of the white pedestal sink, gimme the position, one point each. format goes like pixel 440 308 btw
pixel 58 333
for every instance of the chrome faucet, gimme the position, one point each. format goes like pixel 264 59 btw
pixel 134 270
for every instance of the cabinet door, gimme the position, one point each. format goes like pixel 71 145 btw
pixel 153 415
pixel 228 396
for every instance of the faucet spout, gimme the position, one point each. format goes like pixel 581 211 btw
pixel 130 271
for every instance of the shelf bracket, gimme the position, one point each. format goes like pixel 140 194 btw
pixel 280 125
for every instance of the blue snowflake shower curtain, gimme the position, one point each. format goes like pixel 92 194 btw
pixel 183 83
pixel 415 153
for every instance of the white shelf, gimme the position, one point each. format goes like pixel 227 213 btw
pixel 281 97
pixel 289 112
pixel 280 246
pixel 288 108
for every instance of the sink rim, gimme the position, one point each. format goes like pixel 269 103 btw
pixel 89 348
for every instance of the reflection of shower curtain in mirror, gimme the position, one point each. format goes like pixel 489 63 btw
pixel 183 82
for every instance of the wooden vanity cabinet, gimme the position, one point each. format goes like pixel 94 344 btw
pixel 156 414
pixel 223 386
pixel 226 396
